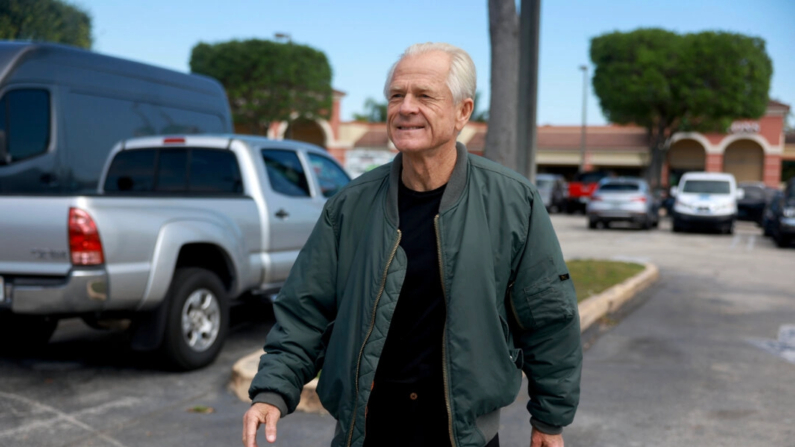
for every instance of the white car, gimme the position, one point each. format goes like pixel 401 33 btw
pixel 706 200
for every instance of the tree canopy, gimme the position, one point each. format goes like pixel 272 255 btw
pixel 267 81
pixel 668 82
pixel 374 112
pixel 45 20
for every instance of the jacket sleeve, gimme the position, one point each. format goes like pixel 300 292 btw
pixel 303 310
pixel 547 324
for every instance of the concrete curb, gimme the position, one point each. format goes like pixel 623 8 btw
pixel 591 310
pixel 597 306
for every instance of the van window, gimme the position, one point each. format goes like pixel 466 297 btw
pixel 25 122
pixel 285 173
pixel 214 171
pixel 706 187
pixel 330 176
pixel 131 171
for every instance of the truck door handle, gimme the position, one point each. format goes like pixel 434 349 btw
pixel 282 214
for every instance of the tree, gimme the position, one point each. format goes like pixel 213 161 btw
pixel 267 81
pixel 374 112
pixel 503 108
pixel 668 82
pixel 45 20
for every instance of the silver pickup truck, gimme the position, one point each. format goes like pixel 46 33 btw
pixel 179 227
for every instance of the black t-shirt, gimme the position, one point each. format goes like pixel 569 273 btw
pixel 413 349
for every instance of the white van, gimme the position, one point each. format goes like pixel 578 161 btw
pixel 706 200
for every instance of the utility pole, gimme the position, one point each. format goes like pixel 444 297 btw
pixel 584 69
pixel 529 24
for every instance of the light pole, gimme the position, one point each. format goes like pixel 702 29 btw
pixel 584 69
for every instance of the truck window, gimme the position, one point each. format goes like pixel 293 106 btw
pixel 25 121
pixel 172 170
pixel 214 171
pixel 131 171
pixel 285 173
pixel 329 175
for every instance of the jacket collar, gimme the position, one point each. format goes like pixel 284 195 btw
pixel 455 186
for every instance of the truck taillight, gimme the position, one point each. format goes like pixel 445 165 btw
pixel 85 246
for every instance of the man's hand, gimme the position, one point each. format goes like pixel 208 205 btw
pixel 260 413
pixel 539 439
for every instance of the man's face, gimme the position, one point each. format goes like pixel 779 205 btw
pixel 421 114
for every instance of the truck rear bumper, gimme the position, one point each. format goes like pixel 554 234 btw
pixel 80 291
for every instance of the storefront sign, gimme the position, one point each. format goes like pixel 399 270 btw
pixel 744 127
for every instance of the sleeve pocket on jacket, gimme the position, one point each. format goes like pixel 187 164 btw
pixel 534 308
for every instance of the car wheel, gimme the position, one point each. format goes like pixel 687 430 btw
pixel 593 224
pixel 728 228
pixel 766 231
pixel 197 321
pixel 782 241
pixel 21 333
pixel 676 227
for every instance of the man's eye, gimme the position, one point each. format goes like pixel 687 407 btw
pixel 395 96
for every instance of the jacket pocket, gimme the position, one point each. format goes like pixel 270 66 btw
pixel 535 307
pixel 516 355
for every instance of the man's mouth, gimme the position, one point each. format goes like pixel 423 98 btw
pixel 410 127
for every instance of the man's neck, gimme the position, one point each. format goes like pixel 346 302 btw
pixel 429 170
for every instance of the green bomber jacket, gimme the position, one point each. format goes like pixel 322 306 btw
pixel 511 304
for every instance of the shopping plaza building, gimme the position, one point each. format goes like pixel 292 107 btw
pixel 752 150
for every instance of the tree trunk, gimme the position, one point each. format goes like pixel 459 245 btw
pixel 504 34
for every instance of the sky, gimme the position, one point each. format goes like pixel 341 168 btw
pixel 363 38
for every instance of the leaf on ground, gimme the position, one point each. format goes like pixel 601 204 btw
pixel 201 409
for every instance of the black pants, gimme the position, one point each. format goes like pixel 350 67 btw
pixel 401 415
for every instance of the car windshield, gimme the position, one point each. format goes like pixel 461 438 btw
pixel 544 183
pixel 754 193
pixel 619 187
pixel 707 187
pixel 590 177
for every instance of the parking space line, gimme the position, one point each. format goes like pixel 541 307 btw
pixel 735 241
pixel 751 242
pixel 60 415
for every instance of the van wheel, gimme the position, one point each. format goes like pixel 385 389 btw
pixel 198 319
pixel 21 333
pixel 781 240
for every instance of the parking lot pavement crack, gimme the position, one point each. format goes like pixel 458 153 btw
pixel 60 415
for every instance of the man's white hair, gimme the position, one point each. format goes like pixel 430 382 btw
pixel 462 78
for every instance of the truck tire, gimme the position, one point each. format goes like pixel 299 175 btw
pixel 197 320
pixel 21 333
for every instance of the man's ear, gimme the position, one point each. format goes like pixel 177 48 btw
pixel 463 112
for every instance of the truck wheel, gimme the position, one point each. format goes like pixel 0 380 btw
pixel 24 332
pixel 197 321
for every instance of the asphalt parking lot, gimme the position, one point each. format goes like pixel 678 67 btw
pixel 696 362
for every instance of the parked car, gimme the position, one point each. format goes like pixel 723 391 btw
pixel 64 108
pixel 553 190
pixel 706 200
pixel 623 199
pixel 772 210
pixel 581 188
pixel 756 196
pixel 781 216
pixel 179 227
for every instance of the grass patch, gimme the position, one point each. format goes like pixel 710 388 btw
pixel 592 276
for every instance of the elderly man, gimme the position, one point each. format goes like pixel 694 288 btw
pixel 425 288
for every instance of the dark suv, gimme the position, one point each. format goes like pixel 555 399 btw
pixel 779 218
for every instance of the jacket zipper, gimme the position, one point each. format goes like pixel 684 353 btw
pixel 444 335
pixel 513 307
pixel 369 332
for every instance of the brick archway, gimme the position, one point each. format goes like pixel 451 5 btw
pixel 745 159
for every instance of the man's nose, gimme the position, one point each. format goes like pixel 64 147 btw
pixel 409 105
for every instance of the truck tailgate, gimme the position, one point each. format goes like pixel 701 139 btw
pixel 34 235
